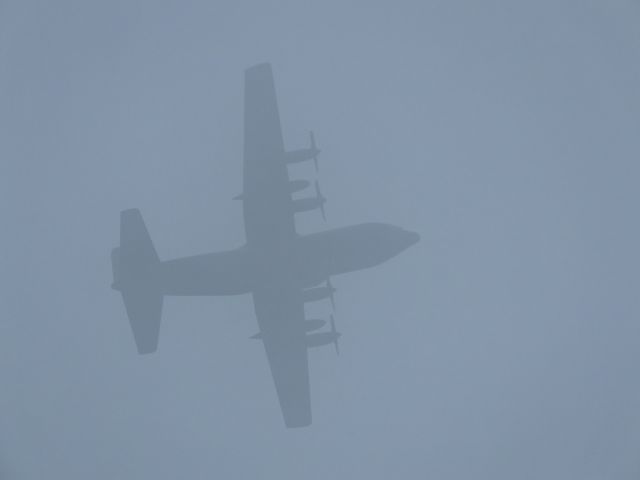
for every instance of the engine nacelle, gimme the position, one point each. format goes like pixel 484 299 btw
pixel 297 185
pixel 294 186
pixel 317 293
pixel 313 324
pixel 309 326
pixel 301 155
pixel 321 339
pixel 307 204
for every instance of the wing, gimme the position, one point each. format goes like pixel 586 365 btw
pixel 280 314
pixel 268 211
pixel 270 232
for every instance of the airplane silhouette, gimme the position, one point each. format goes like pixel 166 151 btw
pixel 280 268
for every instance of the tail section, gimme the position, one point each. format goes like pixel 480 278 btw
pixel 135 274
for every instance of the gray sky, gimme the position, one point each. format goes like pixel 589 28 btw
pixel 504 345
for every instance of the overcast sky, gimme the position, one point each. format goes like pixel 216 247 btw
pixel 504 345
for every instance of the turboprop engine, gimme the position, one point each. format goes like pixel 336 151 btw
pixel 324 338
pixel 309 326
pixel 320 293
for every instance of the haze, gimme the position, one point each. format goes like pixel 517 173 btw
pixel 503 345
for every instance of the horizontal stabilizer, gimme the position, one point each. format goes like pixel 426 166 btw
pixel 135 271
pixel 135 242
pixel 144 309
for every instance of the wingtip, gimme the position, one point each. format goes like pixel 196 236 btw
pixel 299 422
pixel 130 212
pixel 147 350
pixel 264 66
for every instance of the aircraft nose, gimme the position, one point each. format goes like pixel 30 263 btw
pixel 412 238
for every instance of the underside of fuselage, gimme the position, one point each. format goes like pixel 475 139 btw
pixel 312 259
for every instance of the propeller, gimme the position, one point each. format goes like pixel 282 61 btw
pixel 312 141
pixel 322 200
pixel 336 335
pixel 331 292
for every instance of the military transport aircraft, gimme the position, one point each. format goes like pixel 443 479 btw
pixel 280 268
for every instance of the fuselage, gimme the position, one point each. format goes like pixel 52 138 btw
pixel 309 259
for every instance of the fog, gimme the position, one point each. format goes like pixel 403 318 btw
pixel 503 345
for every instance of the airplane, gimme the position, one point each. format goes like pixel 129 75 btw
pixel 282 269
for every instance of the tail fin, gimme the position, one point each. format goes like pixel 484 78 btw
pixel 135 273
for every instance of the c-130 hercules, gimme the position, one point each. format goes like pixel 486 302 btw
pixel 281 269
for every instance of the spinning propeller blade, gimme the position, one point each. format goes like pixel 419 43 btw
pixel 331 292
pixel 322 201
pixel 312 141
pixel 336 335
